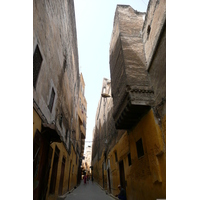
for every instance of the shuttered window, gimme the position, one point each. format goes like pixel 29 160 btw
pixel 37 62
pixel 51 99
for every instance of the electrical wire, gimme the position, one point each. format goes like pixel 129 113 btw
pixel 95 140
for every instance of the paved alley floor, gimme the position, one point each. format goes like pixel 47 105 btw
pixel 89 191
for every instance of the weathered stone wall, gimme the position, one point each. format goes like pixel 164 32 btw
pixel 154 38
pixel 152 28
pixel 82 111
pixel 55 33
pixel 127 63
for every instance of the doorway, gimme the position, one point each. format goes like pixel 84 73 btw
pixel 122 175
pixel 103 174
pixel 41 165
pixel 54 171
pixel 62 176
pixel 109 180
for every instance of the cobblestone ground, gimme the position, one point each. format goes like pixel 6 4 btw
pixel 89 191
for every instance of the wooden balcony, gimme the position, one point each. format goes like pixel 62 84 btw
pixel 132 93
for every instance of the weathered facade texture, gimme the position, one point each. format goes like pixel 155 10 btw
pixel 134 126
pixel 82 112
pixel 56 125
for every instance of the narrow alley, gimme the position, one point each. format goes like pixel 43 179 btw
pixel 116 136
pixel 90 190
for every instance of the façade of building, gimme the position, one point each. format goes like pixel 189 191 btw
pixel 82 113
pixel 57 131
pixel 129 144
pixel 86 163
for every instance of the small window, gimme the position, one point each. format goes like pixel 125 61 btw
pixel 129 159
pixel 140 150
pixel 148 30
pixel 51 99
pixel 37 62
pixel 116 160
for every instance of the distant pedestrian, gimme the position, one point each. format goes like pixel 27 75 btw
pixel 84 178
pixel 122 194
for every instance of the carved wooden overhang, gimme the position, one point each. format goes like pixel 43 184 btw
pixel 132 93
pixel 136 104
pixel 49 131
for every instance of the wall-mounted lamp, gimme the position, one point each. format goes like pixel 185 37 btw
pixel 104 95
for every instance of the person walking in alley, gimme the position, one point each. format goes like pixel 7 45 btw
pixel 84 178
pixel 122 194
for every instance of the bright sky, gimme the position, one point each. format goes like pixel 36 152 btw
pixel 94 24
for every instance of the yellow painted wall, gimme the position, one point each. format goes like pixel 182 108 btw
pixel 73 176
pixel 146 176
pixel 37 122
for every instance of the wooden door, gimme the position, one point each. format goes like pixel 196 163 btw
pixel 69 175
pixel 122 175
pixel 109 180
pixel 42 154
pixel 36 164
pixel 54 171
pixel 62 176
pixel 103 174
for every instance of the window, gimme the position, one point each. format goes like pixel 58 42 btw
pixel 129 159
pixel 37 62
pixel 64 63
pixel 51 100
pixel 116 160
pixel 148 31
pixel 140 150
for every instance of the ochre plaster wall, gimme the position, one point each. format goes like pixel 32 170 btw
pixel 146 176
pixel 73 176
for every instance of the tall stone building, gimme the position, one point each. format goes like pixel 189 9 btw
pixel 82 113
pixel 129 144
pixel 56 83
